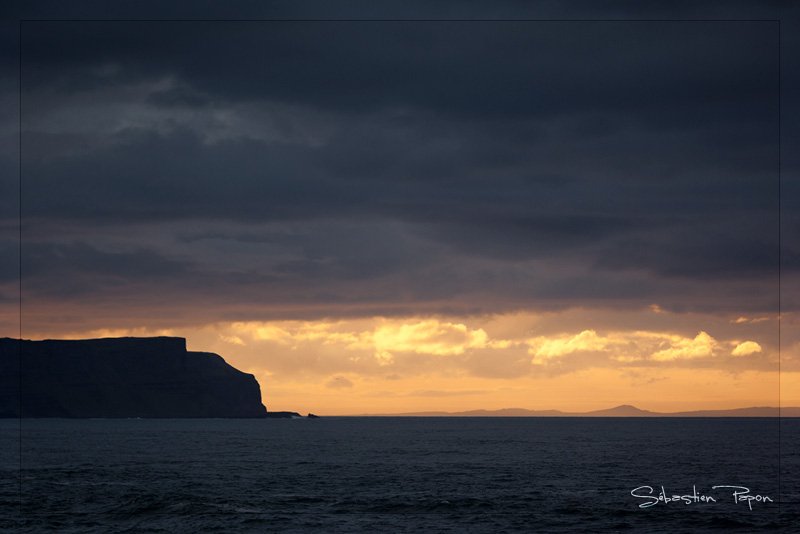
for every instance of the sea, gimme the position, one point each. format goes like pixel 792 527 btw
pixel 396 474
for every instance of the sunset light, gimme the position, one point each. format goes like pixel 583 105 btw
pixel 358 267
pixel 450 363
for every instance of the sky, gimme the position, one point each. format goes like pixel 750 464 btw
pixel 414 214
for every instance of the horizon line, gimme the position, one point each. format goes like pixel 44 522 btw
pixel 620 411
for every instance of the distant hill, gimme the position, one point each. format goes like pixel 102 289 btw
pixel 122 377
pixel 625 410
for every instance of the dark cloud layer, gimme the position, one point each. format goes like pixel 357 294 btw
pixel 404 165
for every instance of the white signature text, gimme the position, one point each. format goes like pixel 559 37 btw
pixel 740 494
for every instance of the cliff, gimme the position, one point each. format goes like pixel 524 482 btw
pixel 122 377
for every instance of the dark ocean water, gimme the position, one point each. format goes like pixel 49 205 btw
pixel 421 475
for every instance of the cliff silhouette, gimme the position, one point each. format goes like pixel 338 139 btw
pixel 122 377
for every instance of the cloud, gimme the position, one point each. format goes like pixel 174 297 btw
pixel 628 348
pixel 701 346
pixel 420 176
pixel 544 349
pixel 267 332
pixel 748 347
pixel 236 340
pixel 488 346
pixel 753 320
pixel 431 337
pixel 76 270
pixel 338 382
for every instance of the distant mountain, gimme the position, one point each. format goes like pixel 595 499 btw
pixel 759 411
pixel 624 410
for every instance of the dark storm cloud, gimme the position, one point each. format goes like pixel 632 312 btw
pixel 729 248
pixel 420 161
pixel 9 270
pixel 425 171
pixel 78 268
pixel 177 97
pixel 693 71
pixel 470 202
pixel 146 175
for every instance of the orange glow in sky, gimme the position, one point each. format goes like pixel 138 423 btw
pixel 576 360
